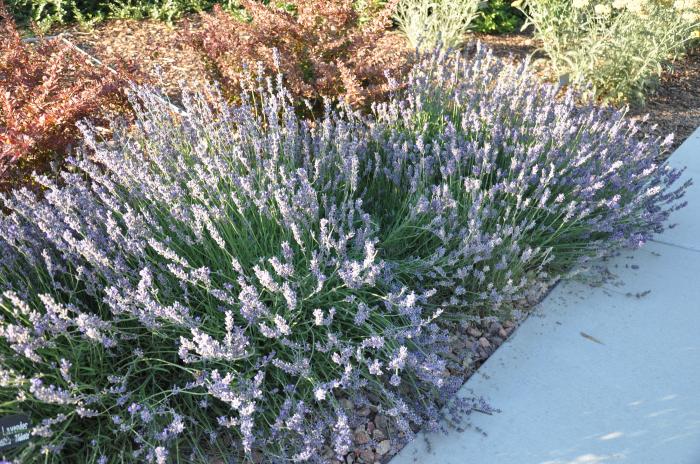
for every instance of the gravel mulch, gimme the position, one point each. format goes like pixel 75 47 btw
pixel 159 50
pixel 517 46
pixel 376 440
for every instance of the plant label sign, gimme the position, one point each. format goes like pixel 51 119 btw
pixel 14 430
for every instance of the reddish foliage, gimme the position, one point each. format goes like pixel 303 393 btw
pixel 323 49
pixel 45 87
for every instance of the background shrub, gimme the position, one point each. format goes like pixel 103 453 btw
pixel 321 48
pixel 216 282
pixel 427 23
pixel 498 17
pixel 45 13
pixel 166 10
pixel 367 9
pixel 44 89
pixel 618 47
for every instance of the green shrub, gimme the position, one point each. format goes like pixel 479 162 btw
pixel 46 13
pixel 231 292
pixel 429 22
pixel 367 9
pixel 498 16
pixel 615 49
pixel 166 10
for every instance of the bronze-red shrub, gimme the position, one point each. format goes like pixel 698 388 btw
pixel 45 87
pixel 324 50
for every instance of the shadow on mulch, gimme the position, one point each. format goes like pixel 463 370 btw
pixel 675 105
pixel 516 46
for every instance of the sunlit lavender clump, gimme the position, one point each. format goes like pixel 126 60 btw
pixel 214 283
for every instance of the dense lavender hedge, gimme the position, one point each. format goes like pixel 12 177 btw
pixel 215 283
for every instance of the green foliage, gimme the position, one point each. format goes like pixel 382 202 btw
pixel 165 10
pixel 367 9
pixel 498 16
pixel 46 13
pixel 427 23
pixel 614 50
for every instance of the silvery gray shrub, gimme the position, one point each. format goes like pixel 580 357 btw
pixel 217 283
pixel 430 23
pixel 613 50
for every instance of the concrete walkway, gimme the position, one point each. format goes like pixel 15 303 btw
pixel 597 375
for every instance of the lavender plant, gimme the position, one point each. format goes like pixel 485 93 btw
pixel 206 283
pixel 498 185
pixel 216 283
